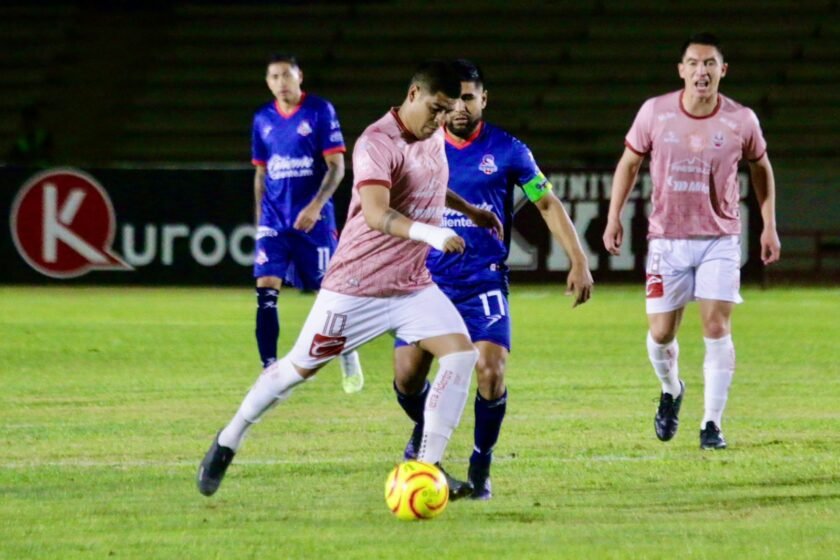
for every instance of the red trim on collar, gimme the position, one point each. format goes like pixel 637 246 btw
pixel 712 114
pixel 460 144
pixel 294 110
pixel 403 129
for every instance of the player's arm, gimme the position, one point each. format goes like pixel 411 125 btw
pixel 259 192
pixel 579 281
pixel 764 183
pixel 624 178
pixel 376 208
pixel 478 216
pixel 311 213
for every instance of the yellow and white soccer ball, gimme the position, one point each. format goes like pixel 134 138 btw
pixel 415 490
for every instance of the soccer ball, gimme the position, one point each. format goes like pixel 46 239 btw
pixel 415 490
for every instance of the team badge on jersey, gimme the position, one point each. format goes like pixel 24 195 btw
pixel 304 129
pixel 488 164
pixel 696 143
pixel 718 139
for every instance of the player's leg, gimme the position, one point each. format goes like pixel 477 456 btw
pixel 270 266
pixel 268 320
pixel 718 286
pixel 487 316
pixel 431 320
pixel 311 255
pixel 718 369
pixel 490 407
pixel 411 369
pixel 335 322
pixel 669 287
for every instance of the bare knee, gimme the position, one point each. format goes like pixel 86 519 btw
pixel 411 367
pixel 490 370
pixel 716 329
pixel 661 335
pixel 269 282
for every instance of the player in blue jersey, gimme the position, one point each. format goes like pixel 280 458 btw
pixel 485 166
pixel 298 150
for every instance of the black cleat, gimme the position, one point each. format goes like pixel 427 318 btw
pixel 479 477
pixel 212 469
pixel 711 438
pixel 667 419
pixel 412 448
pixel 457 488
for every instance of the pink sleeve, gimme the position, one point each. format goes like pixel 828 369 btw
pixel 638 139
pixel 373 160
pixel 754 145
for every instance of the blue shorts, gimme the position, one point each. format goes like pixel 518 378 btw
pixel 298 258
pixel 486 314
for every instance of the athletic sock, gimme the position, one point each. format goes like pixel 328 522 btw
pixel 718 369
pixel 665 361
pixel 268 325
pixel 413 405
pixel 445 403
pixel 272 387
pixel 489 415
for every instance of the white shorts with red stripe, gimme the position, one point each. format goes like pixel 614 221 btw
pixel 682 270
pixel 339 323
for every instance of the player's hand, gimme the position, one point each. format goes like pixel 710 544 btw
pixel 308 217
pixel 613 236
pixel 579 284
pixel 486 219
pixel 771 247
pixel 454 244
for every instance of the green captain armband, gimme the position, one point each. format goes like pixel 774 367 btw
pixel 536 188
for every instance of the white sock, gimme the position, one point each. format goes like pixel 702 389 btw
pixel 273 386
pixel 350 364
pixel 445 403
pixel 718 369
pixel 665 361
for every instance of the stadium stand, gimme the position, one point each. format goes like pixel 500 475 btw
pixel 178 83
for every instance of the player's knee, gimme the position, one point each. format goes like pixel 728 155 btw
pixel 269 282
pixel 490 373
pixel 662 334
pixel 716 329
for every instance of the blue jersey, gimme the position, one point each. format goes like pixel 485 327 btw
pixel 292 147
pixel 484 171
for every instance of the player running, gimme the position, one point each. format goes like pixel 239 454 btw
pixel 377 281
pixel 298 151
pixel 695 137
pixel 485 166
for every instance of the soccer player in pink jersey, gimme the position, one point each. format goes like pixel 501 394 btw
pixel 695 137
pixel 377 281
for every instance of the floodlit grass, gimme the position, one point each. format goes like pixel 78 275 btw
pixel 110 397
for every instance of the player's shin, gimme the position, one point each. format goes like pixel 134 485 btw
pixel 445 403
pixel 718 369
pixel 268 325
pixel 274 385
pixel 665 361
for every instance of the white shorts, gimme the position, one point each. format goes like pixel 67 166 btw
pixel 339 323
pixel 682 270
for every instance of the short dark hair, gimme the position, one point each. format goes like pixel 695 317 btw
pixel 469 71
pixel 438 76
pixel 702 38
pixel 283 57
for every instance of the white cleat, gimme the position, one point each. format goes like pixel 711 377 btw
pixel 352 378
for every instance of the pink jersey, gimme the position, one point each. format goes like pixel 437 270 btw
pixel 694 164
pixel 368 262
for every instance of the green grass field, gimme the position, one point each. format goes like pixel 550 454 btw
pixel 110 398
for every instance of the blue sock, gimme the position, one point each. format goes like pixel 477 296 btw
pixel 488 424
pixel 413 405
pixel 268 325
